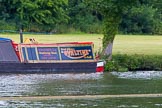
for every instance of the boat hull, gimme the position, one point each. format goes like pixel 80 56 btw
pixel 43 68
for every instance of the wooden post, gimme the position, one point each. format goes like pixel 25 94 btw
pixel 21 36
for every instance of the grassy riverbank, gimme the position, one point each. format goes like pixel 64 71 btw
pixel 138 44
pixel 136 62
pixel 130 52
pixel 58 38
pixel 123 44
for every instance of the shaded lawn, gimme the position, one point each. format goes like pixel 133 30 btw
pixel 147 45
pixel 123 44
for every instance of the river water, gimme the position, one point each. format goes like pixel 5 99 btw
pixel 114 83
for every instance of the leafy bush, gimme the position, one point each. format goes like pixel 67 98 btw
pixel 134 63
pixel 7 25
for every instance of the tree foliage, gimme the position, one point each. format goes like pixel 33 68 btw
pixel 25 12
pixel 81 17
pixel 61 16
pixel 143 18
pixel 112 11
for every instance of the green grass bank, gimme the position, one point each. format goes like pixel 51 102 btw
pixel 135 62
pixel 130 52
pixel 136 53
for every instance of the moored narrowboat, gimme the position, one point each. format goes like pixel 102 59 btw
pixel 34 57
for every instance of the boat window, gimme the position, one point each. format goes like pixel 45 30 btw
pixel 24 54
pixel 31 53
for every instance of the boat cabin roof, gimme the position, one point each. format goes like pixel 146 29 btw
pixel 4 39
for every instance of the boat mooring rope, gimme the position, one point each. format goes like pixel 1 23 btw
pixel 28 98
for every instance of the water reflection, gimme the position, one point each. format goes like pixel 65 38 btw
pixel 88 103
pixel 138 75
pixel 82 84
pixel 42 84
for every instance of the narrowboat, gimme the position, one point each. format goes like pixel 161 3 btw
pixel 33 57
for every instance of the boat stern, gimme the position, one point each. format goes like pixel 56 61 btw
pixel 100 66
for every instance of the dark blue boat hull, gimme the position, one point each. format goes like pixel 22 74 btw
pixel 43 68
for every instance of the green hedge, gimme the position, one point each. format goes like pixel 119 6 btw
pixel 7 25
pixel 123 62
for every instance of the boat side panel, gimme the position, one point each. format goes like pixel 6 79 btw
pixel 80 67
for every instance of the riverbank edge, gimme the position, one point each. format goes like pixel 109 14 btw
pixel 136 62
